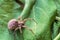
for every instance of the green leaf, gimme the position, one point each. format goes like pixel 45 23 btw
pixel 43 12
pixel 57 2
pixel 55 30
pixel 57 37
pixel 8 10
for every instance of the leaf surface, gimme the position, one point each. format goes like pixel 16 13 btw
pixel 43 12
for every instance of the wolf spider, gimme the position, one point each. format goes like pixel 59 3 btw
pixel 14 24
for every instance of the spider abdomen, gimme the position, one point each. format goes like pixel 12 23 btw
pixel 12 24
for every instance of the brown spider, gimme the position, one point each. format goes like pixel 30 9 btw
pixel 18 24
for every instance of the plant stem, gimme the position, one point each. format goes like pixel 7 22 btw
pixel 27 8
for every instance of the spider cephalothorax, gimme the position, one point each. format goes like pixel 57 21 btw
pixel 14 24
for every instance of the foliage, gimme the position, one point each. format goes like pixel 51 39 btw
pixel 43 12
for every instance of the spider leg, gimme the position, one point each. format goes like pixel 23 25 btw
pixel 29 19
pixel 20 29
pixel 19 18
pixel 15 33
pixel 28 29
pixel 16 28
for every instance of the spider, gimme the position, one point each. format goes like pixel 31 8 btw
pixel 14 24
